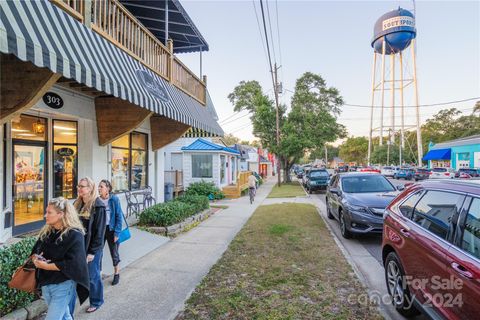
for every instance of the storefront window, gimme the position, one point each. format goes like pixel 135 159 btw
pixel 64 159
pixel 129 162
pixel 29 128
pixel 202 166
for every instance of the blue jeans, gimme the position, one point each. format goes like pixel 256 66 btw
pixel 96 285
pixel 58 297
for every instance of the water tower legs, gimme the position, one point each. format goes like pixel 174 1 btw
pixel 392 98
pixel 371 109
pixel 402 128
pixel 419 132
pixel 383 92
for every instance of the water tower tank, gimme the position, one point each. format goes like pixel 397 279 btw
pixel 396 28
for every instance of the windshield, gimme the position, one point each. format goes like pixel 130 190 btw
pixel 319 174
pixel 364 184
pixel 387 168
pixel 439 170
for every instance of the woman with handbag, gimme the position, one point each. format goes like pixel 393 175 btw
pixel 61 265
pixel 114 224
pixel 91 212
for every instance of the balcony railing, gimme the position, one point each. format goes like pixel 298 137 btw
pixel 114 22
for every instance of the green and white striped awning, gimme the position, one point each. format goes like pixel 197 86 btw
pixel 39 32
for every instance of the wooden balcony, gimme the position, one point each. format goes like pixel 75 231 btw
pixel 114 22
pixel 235 191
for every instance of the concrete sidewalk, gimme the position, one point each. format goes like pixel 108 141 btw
pixel 157 285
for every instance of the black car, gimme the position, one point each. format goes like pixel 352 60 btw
pixel 422 174
pixel 317 179
pixel 357 200
pixel 471 172
pixel 299 173
pixel 342 169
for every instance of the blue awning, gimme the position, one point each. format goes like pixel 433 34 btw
pixel 39 32
pixel 438 154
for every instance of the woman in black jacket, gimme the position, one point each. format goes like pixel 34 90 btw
pixel 61 264
pixel 91 212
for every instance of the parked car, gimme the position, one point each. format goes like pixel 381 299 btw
pixel 388 171
pixel 305 176
pixel 464 175
pixel 370 169
pixel 300 173
pixel 442 173
pixel 430 249
pixel 422 174
pixel 404 173
pixel 317 179
pixel 358 200
pixel 469 171
pixel 341 169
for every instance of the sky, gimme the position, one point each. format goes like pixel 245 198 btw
pixel 332 38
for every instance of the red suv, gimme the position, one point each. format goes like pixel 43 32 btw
pixel 431 250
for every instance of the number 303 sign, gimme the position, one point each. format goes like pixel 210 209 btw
pixel 53 100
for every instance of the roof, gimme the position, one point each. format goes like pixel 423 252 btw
pixel 337 159
pixel 204 145
pixel 48 37
pixel 181 29
pixel 458 142
pixel 438 154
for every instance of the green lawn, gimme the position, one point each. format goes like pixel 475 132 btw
pixel 287 190
pixel 283 264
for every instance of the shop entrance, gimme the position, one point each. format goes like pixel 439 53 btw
pixel 29 174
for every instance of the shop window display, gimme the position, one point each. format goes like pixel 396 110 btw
pixel 129 162
pixel 64 159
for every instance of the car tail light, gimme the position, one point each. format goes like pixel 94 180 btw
pixel 430 172
pixel 447 173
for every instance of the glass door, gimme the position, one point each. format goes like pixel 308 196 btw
pixel 29 185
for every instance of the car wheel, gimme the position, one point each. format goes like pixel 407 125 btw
pixel 310 190
pixel 329 214
pixel 416 179
pixel 396 286
pixel 343 226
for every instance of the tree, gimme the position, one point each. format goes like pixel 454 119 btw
pixel 354 149
pixel 230 139
pixel 310 124
pixel 319 153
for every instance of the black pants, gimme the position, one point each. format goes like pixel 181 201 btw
pixel 113 246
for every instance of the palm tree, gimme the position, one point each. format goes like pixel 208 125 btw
pixel 476 108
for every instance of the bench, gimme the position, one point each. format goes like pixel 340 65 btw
pixel 139 200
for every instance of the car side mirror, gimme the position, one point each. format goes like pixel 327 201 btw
pixel 335 191
pixel 400 187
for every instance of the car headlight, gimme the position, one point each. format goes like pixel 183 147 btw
pixel 352 207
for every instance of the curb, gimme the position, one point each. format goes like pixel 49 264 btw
pixel 350 261
pixel 33 310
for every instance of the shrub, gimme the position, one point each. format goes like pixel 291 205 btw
pixel 169 213
pixel 204 188
pixel 199 202
pixel 11 258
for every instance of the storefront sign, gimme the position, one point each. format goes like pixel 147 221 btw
pixel 66 152
pixel 152 85
pixel 53 100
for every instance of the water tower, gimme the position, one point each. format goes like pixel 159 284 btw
pixel 394 36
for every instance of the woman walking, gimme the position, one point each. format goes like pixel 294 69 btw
pixel 62 267
pixel 114 219
pixel 91 212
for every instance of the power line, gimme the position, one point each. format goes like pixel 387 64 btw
pixel 420 105
pixel 235 119
pixel 407 116
pixel 260 30
pixel 278 38
pixel 271 33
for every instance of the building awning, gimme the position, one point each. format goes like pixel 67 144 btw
pixel 204 145
pixel 181 29
pixel 39 32
pixel 438 154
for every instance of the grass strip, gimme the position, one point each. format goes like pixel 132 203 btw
pixel 283 264
pixel 287 190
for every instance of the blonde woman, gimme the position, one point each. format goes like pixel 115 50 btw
pixel 91 212
pixel 62 267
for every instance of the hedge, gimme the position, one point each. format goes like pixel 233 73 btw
pixel 169 213
pixel 11 258
pixel 204 188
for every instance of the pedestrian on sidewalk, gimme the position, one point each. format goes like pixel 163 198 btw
pixel 91 211
pixel 62 268
pixel 114 218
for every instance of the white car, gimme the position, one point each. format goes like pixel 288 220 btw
pixel 388 171
pixel 442 173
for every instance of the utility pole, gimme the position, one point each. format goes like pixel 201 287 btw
pixel 326 155
pixel 277 120
pixel 388 147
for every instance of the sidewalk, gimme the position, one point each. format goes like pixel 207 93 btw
pixel 157 285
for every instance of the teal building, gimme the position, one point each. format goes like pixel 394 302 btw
pixel 459 153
